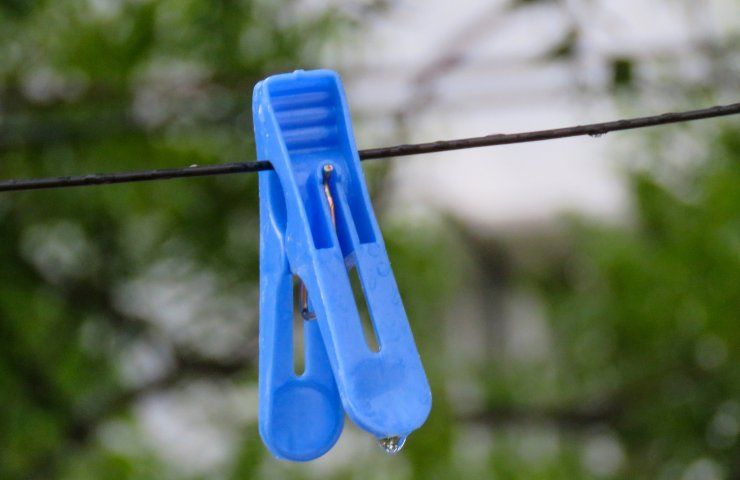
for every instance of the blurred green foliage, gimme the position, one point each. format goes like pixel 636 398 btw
pixel 646 318
pixel 634 369
pixel 123 300
pixel 107 86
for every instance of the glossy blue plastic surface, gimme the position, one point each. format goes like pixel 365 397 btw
pixel 300 417
pixel 302 123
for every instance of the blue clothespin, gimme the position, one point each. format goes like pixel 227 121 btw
pixel 317 223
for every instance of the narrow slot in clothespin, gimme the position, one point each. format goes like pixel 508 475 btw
pixel 319 212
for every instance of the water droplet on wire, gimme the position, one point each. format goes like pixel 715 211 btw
pixel 597 134
pixel 392 445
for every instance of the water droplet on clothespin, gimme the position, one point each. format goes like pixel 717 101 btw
pixel 195 165
pixel 392 445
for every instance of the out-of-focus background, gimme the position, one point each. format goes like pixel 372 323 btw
pixel 576 303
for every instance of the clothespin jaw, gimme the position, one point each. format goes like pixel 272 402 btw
pixel 303 127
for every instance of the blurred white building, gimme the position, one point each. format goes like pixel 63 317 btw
pixel 422 71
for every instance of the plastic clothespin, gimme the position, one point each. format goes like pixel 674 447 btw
pixel 317 223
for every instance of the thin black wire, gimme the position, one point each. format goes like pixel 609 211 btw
pixel 594 130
